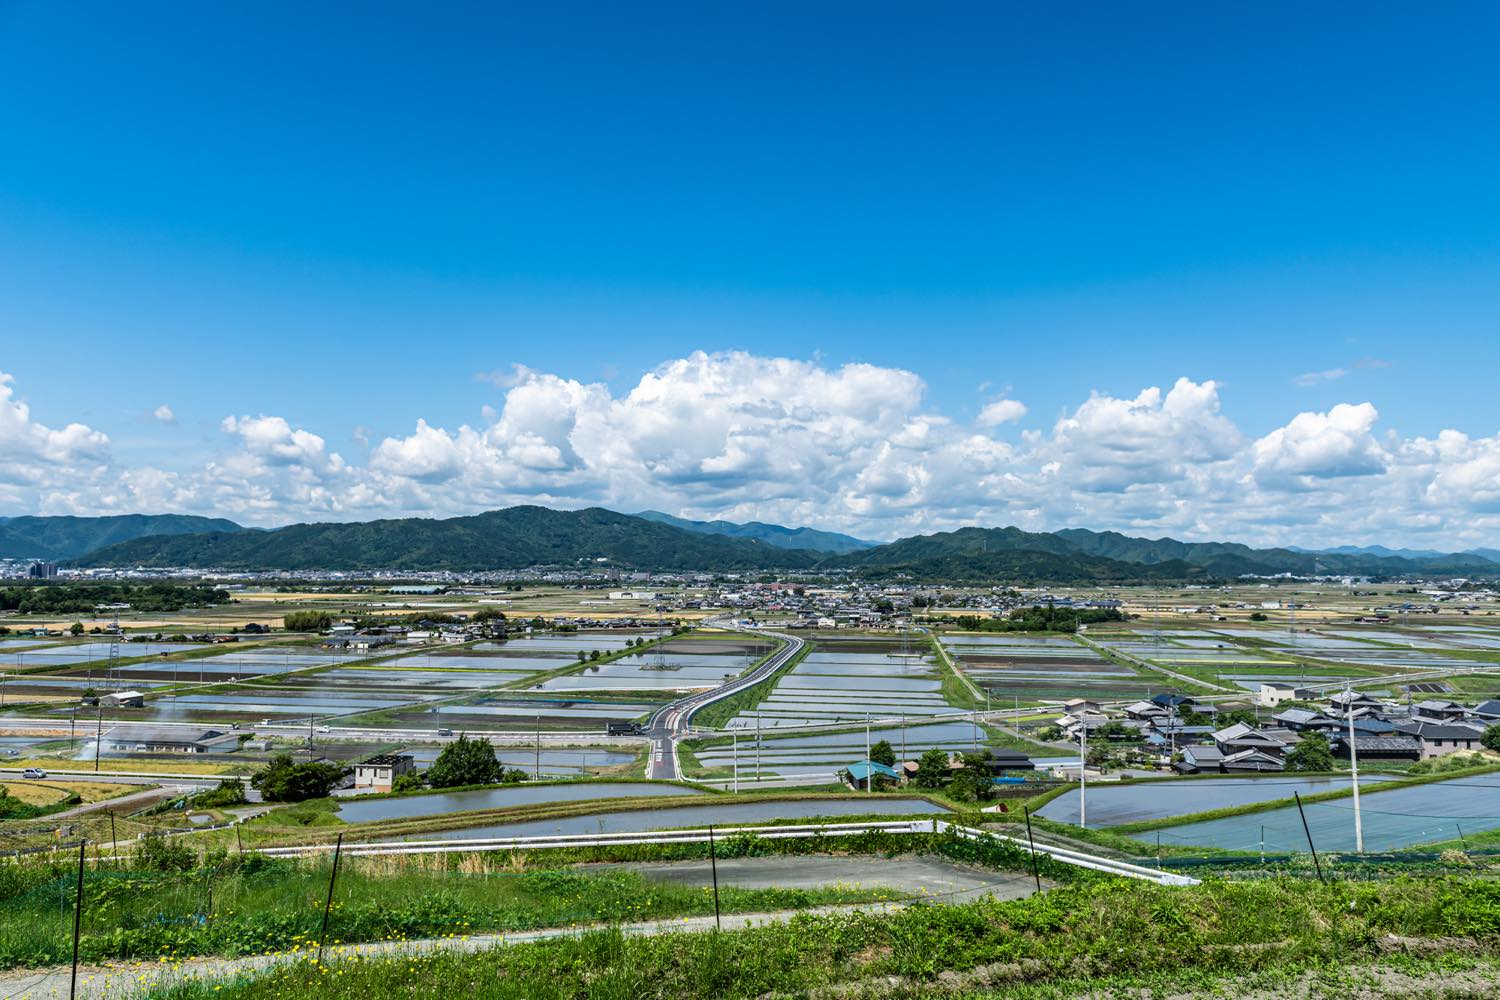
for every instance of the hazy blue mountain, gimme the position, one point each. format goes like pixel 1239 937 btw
pixel 59 538
pixel 1379 551
pixel 771 534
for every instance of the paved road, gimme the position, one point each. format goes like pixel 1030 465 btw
pixel 920 877
pixel 670 723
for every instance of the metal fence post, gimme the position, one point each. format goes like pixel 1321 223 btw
pixel 1307 830
pixel 1035 870
pixel 77 922
pixel 328 906
pixel 713 861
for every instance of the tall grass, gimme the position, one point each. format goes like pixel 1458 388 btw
pixel 1078 933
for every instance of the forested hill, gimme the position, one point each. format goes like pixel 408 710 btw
pixel 57 538
pixel 514 538
pixel 1076 554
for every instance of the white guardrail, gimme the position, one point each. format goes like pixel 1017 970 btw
pixel 1066 856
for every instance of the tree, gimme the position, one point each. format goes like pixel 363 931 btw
pixel 1491 738
pixel 465 762
pixel 1115 729
pixel 406 783
pixel 76 628
pixel 286 781
pixel 1257 616
pixel 1310 754
pixel 307 621
pixel 932 768
pixel 883 753
pixel 230 792
pixel 971 785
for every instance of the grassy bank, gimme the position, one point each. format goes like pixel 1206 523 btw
pixel 237 905
pixel 1081 934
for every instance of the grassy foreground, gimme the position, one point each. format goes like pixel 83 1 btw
pixel 232 905
pixel 1073 940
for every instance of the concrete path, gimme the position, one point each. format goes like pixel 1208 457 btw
pixel 913 877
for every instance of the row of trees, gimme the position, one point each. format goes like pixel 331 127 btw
pixel 1041 618
pixel 463 762
pixel 68 598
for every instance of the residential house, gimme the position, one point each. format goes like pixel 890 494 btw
pixel 1146 711
pixel 379 773
pixel 863 771
pixel 1000 761
pixel 1439 711
pixel 1346 702
pixel 1440 738
pixel 122 699
pixel 1300 720
pixel 1395 747
pixel 1272 695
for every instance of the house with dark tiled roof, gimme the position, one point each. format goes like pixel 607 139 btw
pixel 1440 738
pixel 1392 747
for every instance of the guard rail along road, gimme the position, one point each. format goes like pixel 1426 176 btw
pixel 1109 866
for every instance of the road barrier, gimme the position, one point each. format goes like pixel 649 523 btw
pixel 1109 866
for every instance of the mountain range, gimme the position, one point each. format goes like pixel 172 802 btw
pixel 54 539
pixel 521 537
pixel 772 534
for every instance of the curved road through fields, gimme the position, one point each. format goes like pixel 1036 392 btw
pixel 671 722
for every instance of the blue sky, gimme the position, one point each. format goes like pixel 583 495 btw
pixel 337 218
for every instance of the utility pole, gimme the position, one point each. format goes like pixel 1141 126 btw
pixel 1083 780
pixel 869 778
pixel 734 743
pixel 757 746
pixel 98 737
pixel 1359 828
pixel 539 749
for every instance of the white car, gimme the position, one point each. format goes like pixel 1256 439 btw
pixel 324 729
pixel 34 773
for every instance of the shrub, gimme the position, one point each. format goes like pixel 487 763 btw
pixel 231 792
pixel 465 762
pixel 285 781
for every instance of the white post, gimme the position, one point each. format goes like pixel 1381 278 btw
pixel 869 778
pixel 734 742
pixel 1359 829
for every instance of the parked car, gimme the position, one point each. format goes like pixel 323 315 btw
pixel 34 773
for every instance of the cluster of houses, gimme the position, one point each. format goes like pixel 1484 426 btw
pixel 1381 730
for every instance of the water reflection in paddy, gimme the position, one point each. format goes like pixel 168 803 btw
pixel 403 807
pixel 721 811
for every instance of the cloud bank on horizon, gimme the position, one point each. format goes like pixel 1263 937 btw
pixel 853 448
